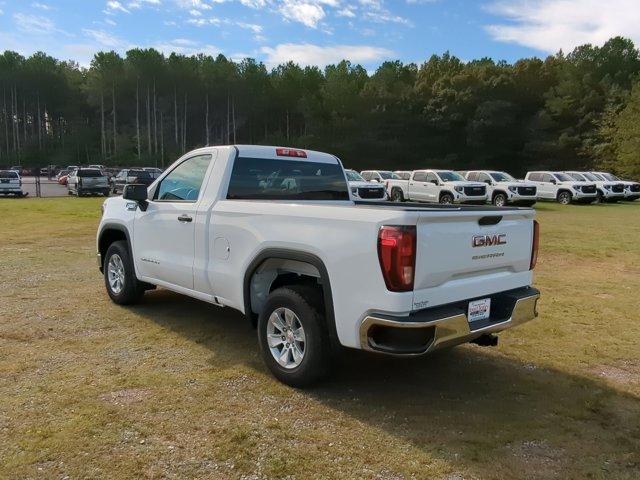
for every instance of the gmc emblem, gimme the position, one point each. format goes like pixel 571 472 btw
pixel 488 240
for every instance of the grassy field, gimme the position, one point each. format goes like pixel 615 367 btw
pixel 174 388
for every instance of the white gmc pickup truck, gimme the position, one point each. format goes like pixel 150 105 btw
pixel 274 233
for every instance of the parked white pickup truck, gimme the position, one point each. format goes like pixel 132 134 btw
pixel 363 190
pixel 274 233
pixel 437 186
pixel 503 189
pixel 562 188
pixel 631 189
pixel 607 191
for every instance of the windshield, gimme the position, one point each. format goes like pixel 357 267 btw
pixel 8 174
pixel 448 176
pixel 563 177
pixel 502 177
pixel 577 176
pixel 591 177
pixel 387 175
pixel 353 176
pixel 89 172
pixel 611 177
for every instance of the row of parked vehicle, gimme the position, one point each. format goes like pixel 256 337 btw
pixel 482 186
pixel 97 179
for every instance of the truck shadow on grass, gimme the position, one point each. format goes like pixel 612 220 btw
pixel 492 415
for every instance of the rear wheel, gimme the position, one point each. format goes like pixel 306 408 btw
pixel 499 199
pixel 564 198
pixel 292 335
pixel 119 276
pixel 446 198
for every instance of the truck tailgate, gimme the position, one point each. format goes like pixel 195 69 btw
pixel 469 254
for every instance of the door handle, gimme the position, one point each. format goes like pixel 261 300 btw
pixel 185 218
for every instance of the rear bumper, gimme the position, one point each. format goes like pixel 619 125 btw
pixel 428 330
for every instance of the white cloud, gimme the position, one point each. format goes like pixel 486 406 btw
pixel 309 54
pixel 41 6
pixel 34 24
pixel 307 13
pixel 346 12
pixel 104 39
pixel 186 47
pixel 549 25
pixel 115 6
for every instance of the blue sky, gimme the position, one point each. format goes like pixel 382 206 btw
pixel 315 31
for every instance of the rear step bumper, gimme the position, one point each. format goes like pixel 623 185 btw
pixel 431 329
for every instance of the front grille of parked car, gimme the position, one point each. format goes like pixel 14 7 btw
pixel 618 188
pixel 475 191
pixel 635 188
pixel 366 192
pixel 589 189
pixel 527 190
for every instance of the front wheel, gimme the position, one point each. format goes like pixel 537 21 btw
pixel 292 335
pixel 564 198
pixel 499 199
pixel 396 195
pixel 119 276
pixel 446 199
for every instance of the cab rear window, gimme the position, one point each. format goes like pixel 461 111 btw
pixel 275 179
pixel 8 174
pixel 89 172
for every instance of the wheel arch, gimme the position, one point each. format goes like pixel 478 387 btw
pixel 109 233
pixel 445 192
pixel 562 190
pixel 277 256
pixel 496 192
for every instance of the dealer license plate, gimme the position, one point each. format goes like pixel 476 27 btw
pixel 479 310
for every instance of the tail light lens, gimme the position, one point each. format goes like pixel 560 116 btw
pixel 397 255
pixel 535 244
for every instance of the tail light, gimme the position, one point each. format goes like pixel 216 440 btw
pixel 291 152
pixel 535 244
pixel 397 255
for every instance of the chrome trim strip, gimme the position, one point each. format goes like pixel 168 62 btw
pixel 452 330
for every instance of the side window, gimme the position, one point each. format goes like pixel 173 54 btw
pixel 366 176
pixel 472 177
pixel 420 177
pixel 547 178
pixel 431 177
pixel 483 177
pixel 535 177
pixel 183 183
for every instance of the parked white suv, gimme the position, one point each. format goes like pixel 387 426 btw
pixel 606 191
pixel 377 175
pixel 11 183
pixel 562 188
pixel 363 190
pixel 631 189
pixel 437 186
pixel 272 232
pixel 503 189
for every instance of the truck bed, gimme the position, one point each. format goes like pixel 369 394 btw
pixel 419 206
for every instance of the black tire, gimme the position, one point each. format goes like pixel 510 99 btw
pixel 132 289
pixel 446 198
pixel 305 302
pixel 499 200
pixel 397 195
pixel 564 198
pixel 599 197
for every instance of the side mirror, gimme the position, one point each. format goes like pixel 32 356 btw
pixel 553 180
pixel 435 182
pixel 137 193
pixel 488 182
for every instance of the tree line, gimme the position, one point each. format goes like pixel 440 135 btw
pixel 568 111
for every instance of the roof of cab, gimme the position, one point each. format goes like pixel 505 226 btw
pixel 270 152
